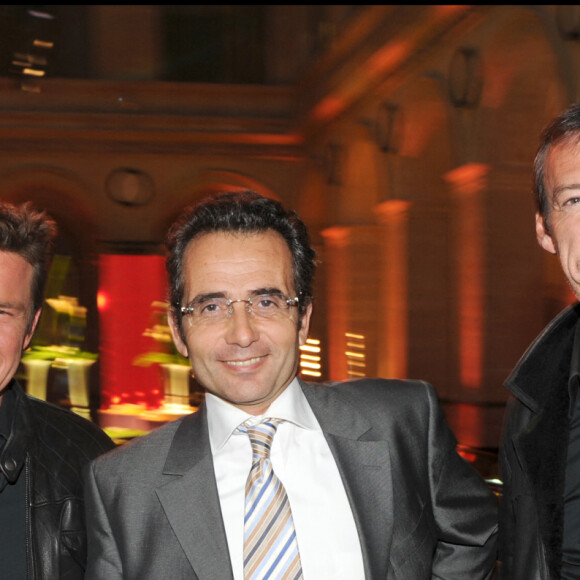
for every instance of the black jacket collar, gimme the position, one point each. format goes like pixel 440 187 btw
pixel 18 432
pixel 547 363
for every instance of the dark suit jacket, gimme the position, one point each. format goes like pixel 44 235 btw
pixel 421 512
pixel 533 455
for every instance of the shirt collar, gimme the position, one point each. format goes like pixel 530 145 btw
pixel 223 417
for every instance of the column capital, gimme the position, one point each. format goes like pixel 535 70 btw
pixel 337 236
pixel 468 178
pixel 343 236
pixel 393 209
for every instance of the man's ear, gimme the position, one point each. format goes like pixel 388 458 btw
pixel 304 325
pixel 176 334
pixel 28 336
pixel 543 235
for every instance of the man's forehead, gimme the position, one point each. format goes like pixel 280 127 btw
pixel 15 279
pixel 562 164
pixel 235 252
pixel 14 262
pixel 261 238
pixel 569 143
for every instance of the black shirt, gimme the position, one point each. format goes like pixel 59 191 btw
pixel 12 505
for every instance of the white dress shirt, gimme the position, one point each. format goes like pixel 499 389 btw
pixel 327 536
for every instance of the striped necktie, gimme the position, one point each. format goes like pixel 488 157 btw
pixel 270 545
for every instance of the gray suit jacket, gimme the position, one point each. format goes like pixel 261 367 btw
pixel 421 512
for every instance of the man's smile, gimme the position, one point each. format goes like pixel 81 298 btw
pixel 244 363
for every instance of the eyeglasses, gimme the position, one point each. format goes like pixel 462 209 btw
pixel 266 306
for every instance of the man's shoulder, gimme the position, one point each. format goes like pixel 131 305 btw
pixel 532 380
pixel 389 407
pixel 374 388
pixel 55 427
pixel 59 444
pixel 382 395
pixel 146 448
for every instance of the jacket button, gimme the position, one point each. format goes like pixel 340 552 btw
pixel 9 464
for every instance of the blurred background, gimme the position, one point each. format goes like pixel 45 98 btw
pixel 403 136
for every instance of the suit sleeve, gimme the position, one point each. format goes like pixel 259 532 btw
pixel 103 560
pixel 464 508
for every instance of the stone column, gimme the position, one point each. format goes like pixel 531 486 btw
pixel 393 218
pixel 465 402
pixel 353 300
pixel 468 186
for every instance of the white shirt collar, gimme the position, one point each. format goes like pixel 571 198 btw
pixel 291 405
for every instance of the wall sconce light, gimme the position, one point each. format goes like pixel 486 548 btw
pixel 465 81
pixel 387 129
pixel 130 187
pixel 333 162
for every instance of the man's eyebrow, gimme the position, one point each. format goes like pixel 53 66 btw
pixel 11 306
pixel 266 291
pixel 561 188
pixel 207 296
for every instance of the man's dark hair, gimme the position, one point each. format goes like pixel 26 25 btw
pixel 565 127
pixel 240 212
pixel 30 234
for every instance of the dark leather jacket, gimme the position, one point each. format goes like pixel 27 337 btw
pixel 50 446
pixel 533 454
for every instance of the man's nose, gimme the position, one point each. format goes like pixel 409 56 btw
pixel 241 325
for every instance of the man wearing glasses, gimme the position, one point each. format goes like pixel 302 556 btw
pixel 274 477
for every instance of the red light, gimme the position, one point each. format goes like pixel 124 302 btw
pixel 471 457
pixel 129 285
pixel 102 300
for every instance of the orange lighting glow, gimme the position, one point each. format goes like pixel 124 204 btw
pixel 389 57
pixel 328 108
pixel 102 300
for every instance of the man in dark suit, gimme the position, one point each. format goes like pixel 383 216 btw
pixel 540 453
pixel 274 477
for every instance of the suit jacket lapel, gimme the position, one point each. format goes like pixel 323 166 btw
pixel 191 502
pixel 365 468
pixel 543 457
